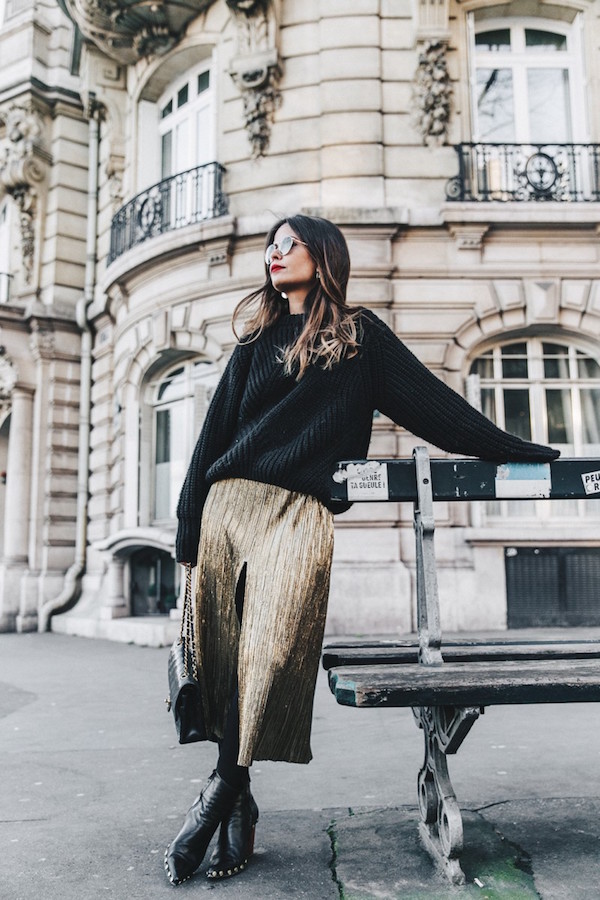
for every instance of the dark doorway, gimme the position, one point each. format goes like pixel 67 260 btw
pixel 552 586
pixel 152 582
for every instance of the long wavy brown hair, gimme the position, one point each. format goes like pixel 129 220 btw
pixel 330 331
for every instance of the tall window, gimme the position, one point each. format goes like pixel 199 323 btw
pixel 186 126
pixel 179 404
pixel 526 81
pixel 544 391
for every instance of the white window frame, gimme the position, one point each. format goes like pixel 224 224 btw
pixel 188 113
pixel 520 59
pixel 190 401
pixel 537 383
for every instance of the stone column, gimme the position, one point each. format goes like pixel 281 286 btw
pixel 17 506
pixel 114 606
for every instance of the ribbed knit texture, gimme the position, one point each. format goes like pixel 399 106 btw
pixel 265 426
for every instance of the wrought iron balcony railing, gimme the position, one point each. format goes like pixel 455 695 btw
pixel 183 199
pixel 526 172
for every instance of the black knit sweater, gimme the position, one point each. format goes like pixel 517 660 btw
pixel 265 426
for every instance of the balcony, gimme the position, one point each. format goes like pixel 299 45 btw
pixel 184 199
pixel 526 173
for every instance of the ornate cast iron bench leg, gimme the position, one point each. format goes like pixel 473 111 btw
pixel 441 828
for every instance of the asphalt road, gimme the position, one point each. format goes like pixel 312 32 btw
pixel 94 786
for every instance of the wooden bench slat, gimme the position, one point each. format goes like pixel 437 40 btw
pixel 407 652
pixel 468 684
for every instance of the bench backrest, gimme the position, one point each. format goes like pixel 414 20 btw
pixel 422 481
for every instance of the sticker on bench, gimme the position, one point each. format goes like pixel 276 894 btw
pixel 366 481
pixel 591 482
pixel 514 480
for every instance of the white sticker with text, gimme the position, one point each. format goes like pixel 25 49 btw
pixel 367 481
pixel 591 482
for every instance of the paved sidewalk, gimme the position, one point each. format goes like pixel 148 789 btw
pixel 94 786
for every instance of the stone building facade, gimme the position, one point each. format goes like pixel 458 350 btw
pixel 145 150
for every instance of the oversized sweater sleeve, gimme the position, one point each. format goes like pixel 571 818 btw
pixel 215 436
pixel 416 399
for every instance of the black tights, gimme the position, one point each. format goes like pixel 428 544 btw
pixel 227 767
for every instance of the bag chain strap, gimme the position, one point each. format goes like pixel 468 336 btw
pixel 187 636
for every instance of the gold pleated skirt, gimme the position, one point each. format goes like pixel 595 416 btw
pixel 285 541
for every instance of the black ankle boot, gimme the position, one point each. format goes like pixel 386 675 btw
pixel 236 838
pixel 185 854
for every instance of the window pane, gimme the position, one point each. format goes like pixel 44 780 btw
pixel 166 153
pixel 488 403
pixel 162 468
pixel 166 110
pixel 203 82
pixel 590 414
pixel 549 107
pixel 587 367
pixel 556 361
pixel 182 95
pixel 514 350
pixel 514 361
pixel 170 455
pixel 495 108
pixel 204 136
pixel 560 417
pixel 484 367
pixel 517 418
pixel 163 435
pixel 172 387
pixel 545 40
pixel 498 40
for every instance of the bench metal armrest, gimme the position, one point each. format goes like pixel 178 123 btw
pixel 428 604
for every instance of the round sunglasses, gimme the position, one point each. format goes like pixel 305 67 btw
pixel 284 246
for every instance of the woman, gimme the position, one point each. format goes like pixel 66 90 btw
pixel 297 395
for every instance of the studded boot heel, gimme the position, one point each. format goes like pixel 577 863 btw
pixel 236 838
pixel 186 852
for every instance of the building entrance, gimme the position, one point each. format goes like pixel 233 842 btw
pixel 152 582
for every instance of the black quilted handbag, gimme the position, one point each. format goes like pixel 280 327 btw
pixel 185 698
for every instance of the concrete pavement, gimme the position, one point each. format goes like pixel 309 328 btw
pixel 94 786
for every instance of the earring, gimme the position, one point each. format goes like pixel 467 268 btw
pixel 318 275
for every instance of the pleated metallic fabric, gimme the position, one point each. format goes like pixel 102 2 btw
pixel 283 540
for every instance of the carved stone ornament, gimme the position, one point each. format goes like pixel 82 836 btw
pixel 23 166
pixel 127 30
pixel 22 159
pixel 42 341
pixel 256 70
pixel 432 94
pixel 8 378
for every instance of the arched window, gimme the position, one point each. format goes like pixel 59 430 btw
pixel 178 404
pixel 544 390
pixel 526 80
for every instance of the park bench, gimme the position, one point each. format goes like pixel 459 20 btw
pixel 449 684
